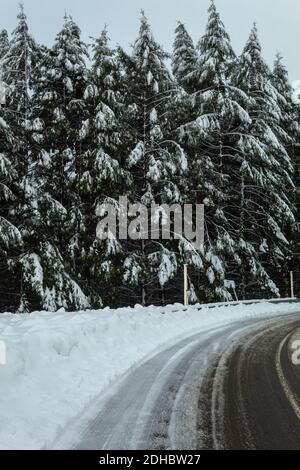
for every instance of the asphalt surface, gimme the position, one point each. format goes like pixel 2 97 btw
pixel 232 387
pixel 253 392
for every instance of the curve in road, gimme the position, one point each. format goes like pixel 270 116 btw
pixel 231 387
pixel 251 394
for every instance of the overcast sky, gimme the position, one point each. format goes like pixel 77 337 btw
pixel 277 20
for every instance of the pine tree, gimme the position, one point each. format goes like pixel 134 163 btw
pixel 290 139
pixel 4 44
pixel 222 131
pixel 184 56
pixel 265 184
pixel 56 116
pixel 18 276
pixel 10 235
pixel 215 52
pixel 99 174
pixel 209 117
pixel 17 71
pixel 19 65
pixel 156 162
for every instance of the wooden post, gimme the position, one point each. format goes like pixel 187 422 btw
pixel 292 284
pixel 186 286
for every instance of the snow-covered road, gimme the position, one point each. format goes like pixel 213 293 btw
pixel 157 406
pixel 65 370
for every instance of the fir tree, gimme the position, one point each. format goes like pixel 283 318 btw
pixel 4 44
pixel 56 114
pixel 215 52
pixel 265 208
pixel 155 160
pixel 99 174
pixel 290 138
pixel 184 56
pixel 209 117
pixel 10 235
pixel 222 131
pixel 19 66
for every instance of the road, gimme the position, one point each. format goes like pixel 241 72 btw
pixel 253 392
pixel 231 387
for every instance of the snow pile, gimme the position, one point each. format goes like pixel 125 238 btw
pixel 58 363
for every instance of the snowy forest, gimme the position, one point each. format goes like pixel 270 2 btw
pixel 84 124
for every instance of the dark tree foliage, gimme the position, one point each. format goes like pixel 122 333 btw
pixel 216 129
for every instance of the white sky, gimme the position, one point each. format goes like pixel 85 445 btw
pixel 277 20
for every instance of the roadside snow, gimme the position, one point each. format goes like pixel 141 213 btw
pixel 57 364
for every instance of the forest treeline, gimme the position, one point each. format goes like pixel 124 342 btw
pixel 82 125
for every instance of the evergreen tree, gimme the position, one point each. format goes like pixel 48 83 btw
pixel 155 160
pixel 99 174
pixel 209 117
pixel 19 66
pixel 17 72
pixel 4 44
pixel 223 132
pixel 265 184
pixel 215 53
pixel 184 56
pixel 10 235
pixel 290 124
pixel 56 116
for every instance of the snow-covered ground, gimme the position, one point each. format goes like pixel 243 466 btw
pixel 57 364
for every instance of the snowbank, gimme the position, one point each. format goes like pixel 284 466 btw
pixel 58 363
